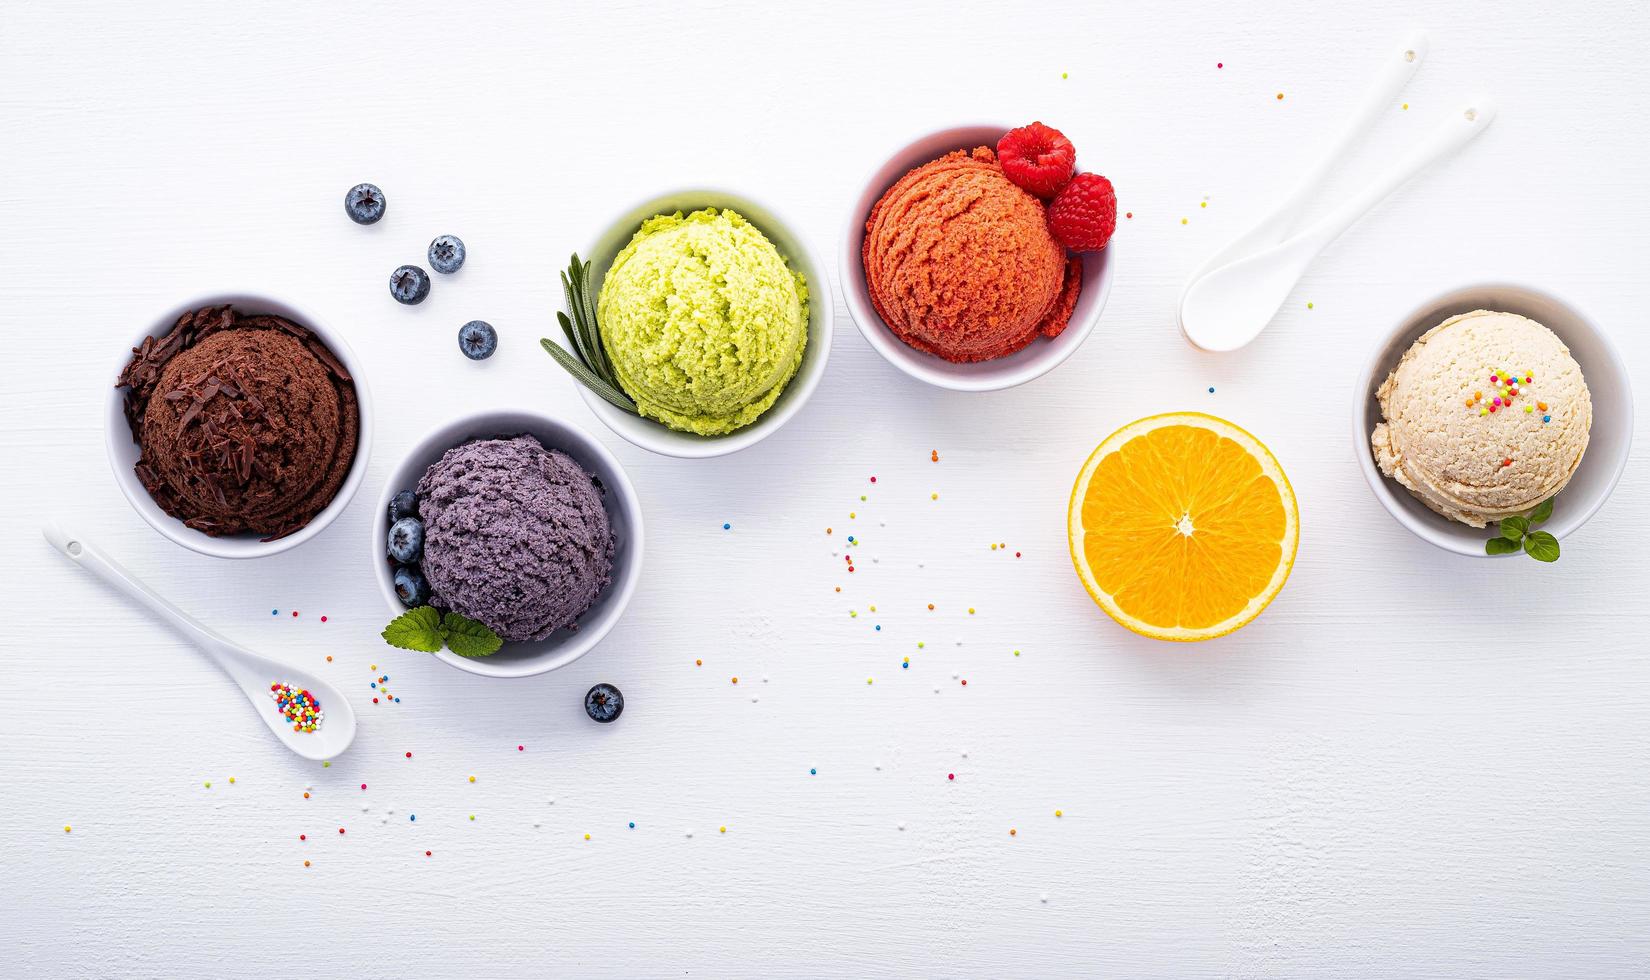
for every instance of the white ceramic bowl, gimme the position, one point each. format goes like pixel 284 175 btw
pixel 652 435
pixel 624 512
pixel 123 452
pixel 1609 441
pixel 1036 359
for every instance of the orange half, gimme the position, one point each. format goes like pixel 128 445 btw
pixel 1183 526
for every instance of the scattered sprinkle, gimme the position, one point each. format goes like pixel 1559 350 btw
pixel 472 779
pixel 67 829
pixel 1280 96
pixel 951 775
pixel 727 527
pixel 1012 832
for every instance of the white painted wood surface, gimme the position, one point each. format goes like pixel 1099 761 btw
pixel 1412 765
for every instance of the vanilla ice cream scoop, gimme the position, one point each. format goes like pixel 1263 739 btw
pixel 1487 415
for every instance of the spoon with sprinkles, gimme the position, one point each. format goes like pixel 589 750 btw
pixel 306 713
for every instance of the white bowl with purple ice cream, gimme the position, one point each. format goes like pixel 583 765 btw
pixel 529 526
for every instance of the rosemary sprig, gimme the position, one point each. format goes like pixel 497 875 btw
pixel 587 360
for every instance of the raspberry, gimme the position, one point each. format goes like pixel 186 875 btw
pixel 1038 158
pixel 1084 215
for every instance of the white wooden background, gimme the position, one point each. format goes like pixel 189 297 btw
pixel 1413 764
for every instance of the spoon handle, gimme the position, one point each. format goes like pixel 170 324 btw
pixel 88 556
pixel 1452 134
pixel 1398 67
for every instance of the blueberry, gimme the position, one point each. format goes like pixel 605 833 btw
pixel 403 504
pixel 411 588
pixel 406 543
pixel 447 254
pixel 477 339
pixel 365 204
pixel 603 703
pixel 410 285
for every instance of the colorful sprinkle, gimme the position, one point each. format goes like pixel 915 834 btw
pixel 297 706
pixel 727 527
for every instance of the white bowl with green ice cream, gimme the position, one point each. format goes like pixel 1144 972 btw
pixel 716 318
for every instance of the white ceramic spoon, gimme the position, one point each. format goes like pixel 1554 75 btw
pixel 1397 68
pixel 253 673
pixel 1230 305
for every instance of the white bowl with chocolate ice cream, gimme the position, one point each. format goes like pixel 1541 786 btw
pixel 239 425
pixel 1484 403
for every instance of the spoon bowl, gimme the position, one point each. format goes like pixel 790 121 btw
pixel 254 673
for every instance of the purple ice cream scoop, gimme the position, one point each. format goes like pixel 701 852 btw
pixel 515 536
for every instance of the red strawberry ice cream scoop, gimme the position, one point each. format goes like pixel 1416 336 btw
pixel 960 263
pixel 515 536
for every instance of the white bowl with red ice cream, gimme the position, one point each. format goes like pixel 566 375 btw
pixel 1032 361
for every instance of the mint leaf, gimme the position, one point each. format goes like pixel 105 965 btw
pixel 1513 528
pixel 1542 511
pixel 416 629
pixel 1541 546
pixel 1500 546
pixel 468 638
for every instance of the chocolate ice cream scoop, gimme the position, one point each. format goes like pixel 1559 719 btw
pixel 245 423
